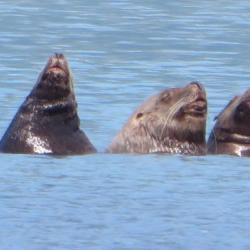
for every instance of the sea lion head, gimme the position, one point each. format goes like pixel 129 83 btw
pixel 55 81
pixel 232 125
pixel 173 121
pixel 178 113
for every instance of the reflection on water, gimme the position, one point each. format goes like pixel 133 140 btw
pixel 121 52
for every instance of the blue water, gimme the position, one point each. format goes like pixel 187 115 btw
pixel 120 53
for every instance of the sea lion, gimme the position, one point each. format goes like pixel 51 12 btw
pixel 231 132
pixel 47 122
pixel 173 121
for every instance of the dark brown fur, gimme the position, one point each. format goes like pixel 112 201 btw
pixel 174 121
pixel 47 121
pixel 231 132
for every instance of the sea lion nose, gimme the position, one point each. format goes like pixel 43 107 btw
pixel 57 60
pixel 197 85
pixel 59 55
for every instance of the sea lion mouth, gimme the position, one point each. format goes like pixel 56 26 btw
pixel 58 65
pixel 56 70
pixel 226 135
pixel 196 108
pixel 243 139
pixel 196 103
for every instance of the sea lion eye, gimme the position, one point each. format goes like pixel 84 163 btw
pixel 240 113
pixel 240 110
pixel 139 115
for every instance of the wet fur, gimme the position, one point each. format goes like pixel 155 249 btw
pixel 159 125
pixel 47 122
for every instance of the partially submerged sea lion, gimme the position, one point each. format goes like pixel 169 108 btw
pixel 174 121
pixel 47 122
pixel 231 132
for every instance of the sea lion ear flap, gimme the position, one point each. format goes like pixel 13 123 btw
pixel 139 115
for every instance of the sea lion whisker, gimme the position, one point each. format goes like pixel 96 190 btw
pixel 169 116
pixel 168 120
pixel 215 140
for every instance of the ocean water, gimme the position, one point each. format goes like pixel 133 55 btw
pixel 120 53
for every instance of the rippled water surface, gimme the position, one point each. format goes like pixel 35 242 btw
pixel 122 52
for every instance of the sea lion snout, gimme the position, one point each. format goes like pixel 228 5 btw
pixel 55 81
pixel 197 90
pixel 196 101
pixel 58 64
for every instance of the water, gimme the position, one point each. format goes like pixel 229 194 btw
pixel 120 53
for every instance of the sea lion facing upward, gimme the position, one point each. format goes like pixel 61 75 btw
pixel 231 132
pixel 174 121
pixel 47 121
